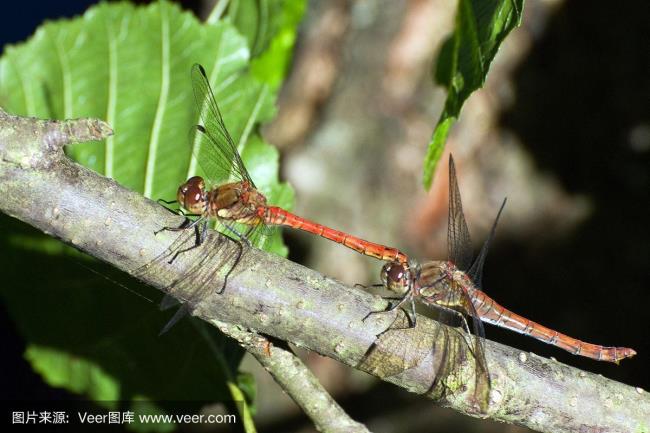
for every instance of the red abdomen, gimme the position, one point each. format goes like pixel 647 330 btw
pixel 491 312
pixel 273 215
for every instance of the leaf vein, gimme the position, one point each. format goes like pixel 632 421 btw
pixel 162 102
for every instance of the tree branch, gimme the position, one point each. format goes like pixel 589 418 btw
pixel 273 296
pixel 295 379
pixel 35 147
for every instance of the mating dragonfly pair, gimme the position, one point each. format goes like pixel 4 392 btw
pixel 451 285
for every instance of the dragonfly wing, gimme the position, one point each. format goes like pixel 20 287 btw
pixel 482 375
pixel 168 301
pixel 219 156
pixel 182 311
pixel 257 235
pixel 476 271
pixel 454 305
pixel 398 348
pixel 204 275
pixel 458 241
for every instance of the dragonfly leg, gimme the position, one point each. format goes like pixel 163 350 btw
pixel 247 235
pixel 204 233
pixel 239 240
pixel 187 224
pixel 463 320
pixel 178 211
pixel 241 236
pixel 410 314
pixel 410 295
pixel 414 316
pixel 399 303
pixel 201 233
pixel 465 324
pixel 361 286
pixel 240 252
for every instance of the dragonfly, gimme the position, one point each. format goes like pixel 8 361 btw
pixel 239 202
pixel 455 285
pixel 445 286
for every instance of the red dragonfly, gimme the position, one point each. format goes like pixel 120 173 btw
pixel 240 201
pixel 454 285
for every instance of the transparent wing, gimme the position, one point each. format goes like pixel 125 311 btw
pixel 482 375
pixel 476 271
pixel 458 241
pixel 219 157
pixel 204 275
pixel 460 253
pixel 454 308
pixel 259 235
pixel 401 347
pixel 474 342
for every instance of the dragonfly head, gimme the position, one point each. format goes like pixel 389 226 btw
pixel 191 195
pixel 397 277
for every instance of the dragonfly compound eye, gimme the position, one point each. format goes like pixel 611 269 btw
pixel 394 276
pixel 191 195
pixel 396 273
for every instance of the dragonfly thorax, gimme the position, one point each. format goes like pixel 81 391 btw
pixel 442 283
pixel 236 201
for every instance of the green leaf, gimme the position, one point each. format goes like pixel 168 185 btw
pixel 271 65
pixel 246 383
pixel 129 66
pixel 76 374
pixel 254 20
pixel 464 62
pixel 102 342
pixel 270 29
pixel 261 21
